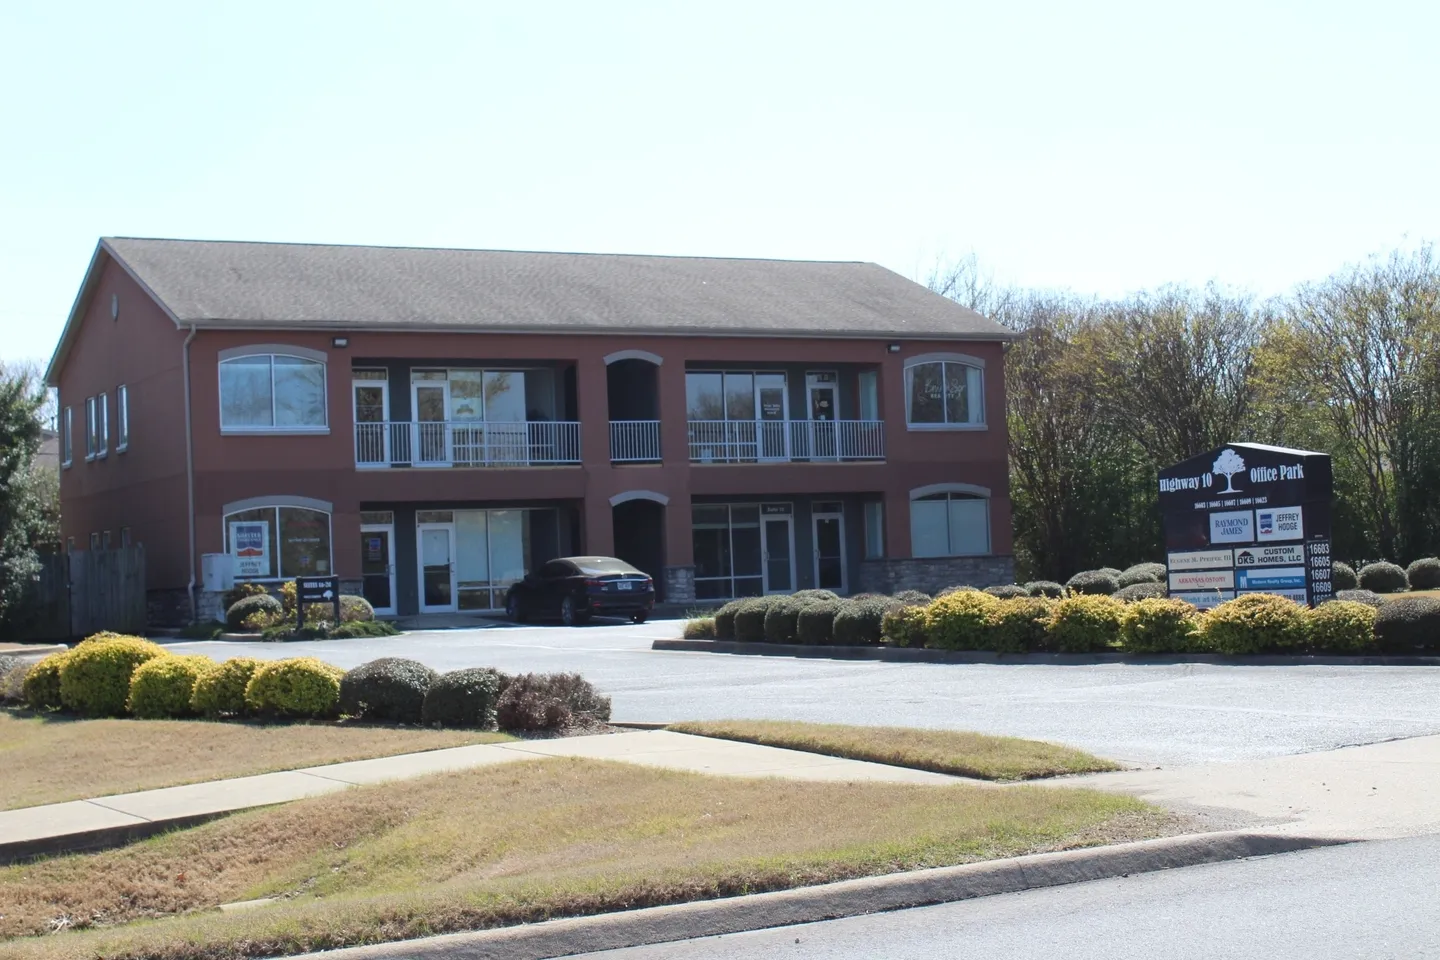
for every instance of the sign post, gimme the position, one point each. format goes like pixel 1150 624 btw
pixel 1248 518
pixel 315 590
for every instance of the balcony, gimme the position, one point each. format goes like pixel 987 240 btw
pixel 759 441
pixel 634 441
pixel 467 443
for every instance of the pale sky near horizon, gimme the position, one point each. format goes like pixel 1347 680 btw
pixel 1102 147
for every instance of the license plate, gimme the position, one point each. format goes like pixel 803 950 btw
pixel 625 585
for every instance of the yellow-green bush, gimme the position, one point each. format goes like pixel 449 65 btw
pixel 903 627
pixel 41 686
pixel 297 687
pixel 1159 625
pixel 95 677
pixel 1018 624
pixel 220 690
pixel 161 688
pixel 1341 626
pixel 1084 623
pixel 700 628
pixel 1253 623
pixel 959 620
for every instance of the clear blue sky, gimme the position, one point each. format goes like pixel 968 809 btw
pixel 1103 147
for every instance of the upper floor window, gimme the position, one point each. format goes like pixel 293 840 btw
pixel 122 418
pixel 102 404
pixel 272 392
pixel 949 523
pixel 944 391
pixel 67 448
pixel 92 429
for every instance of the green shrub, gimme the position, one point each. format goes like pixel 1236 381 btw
pixel 860 621
pixel 725 620
pixel 815 623
pixel 782 620
pixel 220 690
pixel 1360 596
pixel 912 598
pixel 1383 577
pixel 464 698
pixel 260 603
pixel 1084 623
pixel 1018 624
pixel 1145 590
pixel 1007 591
pixel 1342 576
pixel 40 686
pixel 353 629
pixel 354 609
pixel 161 689
pixel 962 588
pixel 699 628
pixel 202 630
pixel 391 688
pixel 1407 625
pixel 1045 588
pixel 1098 582
pixel 242 590
pixel 1253 623
pixel 959 620
pixel 1142 573
pixel 750 619
pixel 903 626
pixel 805 596
pixel 1157 625
pixel 296 687
pixel 551 701
pixel 1424 574
pixel 1340 627
pixel 95 677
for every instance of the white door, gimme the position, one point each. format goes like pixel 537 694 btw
pixel 372 428
pixel 829 539
pixel 777 546
pixel 431 403
pixel 437 567
pixel 377 566
pixel 772 410
pixel 822 402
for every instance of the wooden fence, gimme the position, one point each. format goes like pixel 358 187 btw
pixel 87 591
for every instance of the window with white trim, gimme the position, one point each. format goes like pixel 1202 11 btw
pixel 874 513
pixel 944 393
pixel 92 431
pixel 122 418
pixel 949 525
pixel 279 543
pixel 67 443
pixel 102 448
pixel 269 392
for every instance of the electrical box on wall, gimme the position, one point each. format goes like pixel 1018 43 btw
pixel 217 571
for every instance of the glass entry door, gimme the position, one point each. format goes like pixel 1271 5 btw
pixel 432 404
pixel 771 407
pixel 437 567
pixel 829 551
pixel 372 410
pixel 821 394
pixel 778 550
pixel 377 567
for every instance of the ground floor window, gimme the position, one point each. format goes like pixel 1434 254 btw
pixel 279 543
pixel 949 525
pixel 469 558
pixel 874 529
pixel 727 551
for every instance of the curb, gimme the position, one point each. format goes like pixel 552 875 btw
pixel 849 898
pixel 923 655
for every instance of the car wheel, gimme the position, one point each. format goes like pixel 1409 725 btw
pixel 568 614
pixel 638 617
pixel 513 610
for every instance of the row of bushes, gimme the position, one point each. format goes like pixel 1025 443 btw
pixel 1145 580
pixel 112 675
pixel 251 608
pixel 970 619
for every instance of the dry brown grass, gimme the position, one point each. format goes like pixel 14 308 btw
pixel 518 843
pixel 942 751
pixel 52 759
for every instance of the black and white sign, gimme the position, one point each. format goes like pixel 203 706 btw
pixel 1232 526
pixel 310 590
pixel 1199 560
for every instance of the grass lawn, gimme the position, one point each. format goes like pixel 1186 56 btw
pixel 517 843
pixel 49 759
pixel 942 751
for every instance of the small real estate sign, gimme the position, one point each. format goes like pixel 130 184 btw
pixel 1248 518
pixel 250 546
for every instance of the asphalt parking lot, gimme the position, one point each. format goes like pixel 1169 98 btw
pixel 1162 714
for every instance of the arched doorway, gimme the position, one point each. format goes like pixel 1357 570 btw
pixel 639 525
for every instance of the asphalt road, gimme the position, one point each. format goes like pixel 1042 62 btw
pixel 1137 714
pixel 1370 901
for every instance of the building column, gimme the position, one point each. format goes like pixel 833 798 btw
pixel 897 524
pixel 674 431
pixel 679 550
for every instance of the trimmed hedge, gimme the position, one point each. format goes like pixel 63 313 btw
pixel 1084 623
pixel 903 627
pixel 1019 624
pixel 959 620
pixel 1098 582
pixel 391 688
pixel 1045 588
pixel 1145 590
pixel 242 590
pixel 860 622
pixel 1383 577
pixel 95 676
pixel 161 689
pixel 1341 626
pixel 782 620
pixel 1342 576
pixel 1407 625
pixel 1007 591
pixel 1158 625
pixel 355 609
pixel 41 685
pixel 750 619
pixel 913 598
pixel 725 620
pixel 259 603
pixel 464 698
pixel 1360 596
pixel 1254 623
pixel 550 701
pixel 1142 573
pixel 297 687
pixel 1424 574
pixel 805 596
pixel 220 690
pixel 815 623
pixel 699 628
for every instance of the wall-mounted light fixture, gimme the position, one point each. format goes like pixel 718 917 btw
pixel 892 348
pixel 339 341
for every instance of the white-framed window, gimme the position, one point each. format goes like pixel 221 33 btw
pixel 944 392
pixel 874 529
pixel 102 445
pixel 273 392
pixel 278 541
pixel 94 540
pixel 105 540
pixel 949 524
pixel 67 442
pixel 92 429
pixel 122 418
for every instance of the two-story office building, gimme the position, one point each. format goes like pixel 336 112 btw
pixel 430 424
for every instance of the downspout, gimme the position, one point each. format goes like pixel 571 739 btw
pixel 189 469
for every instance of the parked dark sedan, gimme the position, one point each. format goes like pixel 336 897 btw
pixel 578 588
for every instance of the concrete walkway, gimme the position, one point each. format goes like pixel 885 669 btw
pixel 104 821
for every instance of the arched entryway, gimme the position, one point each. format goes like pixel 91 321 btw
pixel 633 391
pixel 639 523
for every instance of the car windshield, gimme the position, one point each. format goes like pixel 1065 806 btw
pixel 602 566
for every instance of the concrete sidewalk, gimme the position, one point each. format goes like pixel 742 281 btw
pixel 105 821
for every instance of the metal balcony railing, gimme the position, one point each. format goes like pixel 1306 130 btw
pixel 751 441
pixel 466 443
pixel 634 441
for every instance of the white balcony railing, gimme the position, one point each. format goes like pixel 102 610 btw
pixel 745 441
pixel 634 441
pixel 466 443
